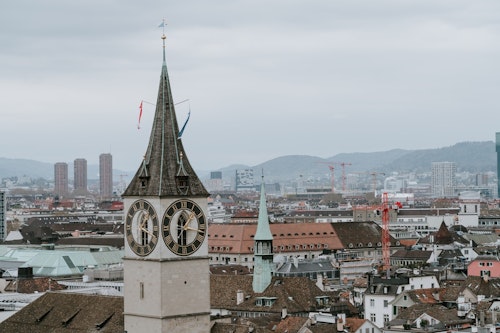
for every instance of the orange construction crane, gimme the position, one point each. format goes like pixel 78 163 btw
pixel 386 240
pixel 331 166
pixel 343 165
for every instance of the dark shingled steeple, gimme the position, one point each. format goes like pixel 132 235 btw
pixel 165 170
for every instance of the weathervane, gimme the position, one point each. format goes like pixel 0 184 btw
pixel 162 25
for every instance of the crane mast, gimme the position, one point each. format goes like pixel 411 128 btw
pixel 386 239
pixel 386 242
pixel 331 166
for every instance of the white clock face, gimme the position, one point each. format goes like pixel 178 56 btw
pixel 141 228
pixel 184 227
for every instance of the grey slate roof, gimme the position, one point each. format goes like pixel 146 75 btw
pixel 165 165
pixel 360 233
pixel 481 286
pixel 446 316
pixel 306 266
pixel 297 294
pixel 68 312
pixel 411 255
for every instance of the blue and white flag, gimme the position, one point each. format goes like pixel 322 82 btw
pixel 184 126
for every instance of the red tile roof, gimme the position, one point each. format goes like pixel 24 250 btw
pixel 239 238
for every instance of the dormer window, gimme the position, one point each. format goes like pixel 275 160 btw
pixel 322 300
pixel 265 301
pixel 182 184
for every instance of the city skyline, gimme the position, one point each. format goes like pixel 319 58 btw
pixel 316 79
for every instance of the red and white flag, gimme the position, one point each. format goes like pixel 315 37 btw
pixel 140 116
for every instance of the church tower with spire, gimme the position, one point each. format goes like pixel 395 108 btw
pixel 166 265
pixel 263 247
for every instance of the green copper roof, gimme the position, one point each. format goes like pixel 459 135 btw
pixel 263 229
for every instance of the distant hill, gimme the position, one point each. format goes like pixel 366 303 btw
pixel 469 156
pixel 16 167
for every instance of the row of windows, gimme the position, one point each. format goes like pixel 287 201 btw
pixel 373 318
pixel 303 247
pixel 220 248
pixel 410 220
pixel 265 301
pixel 275 248
pixel 269 301
pixel 228 259
pixel 367 330
pixel 485 263
pixel 489 222
pixel 245 259
pixel 312 275
pixel 296 247
pixel 324 233
pixel 369 244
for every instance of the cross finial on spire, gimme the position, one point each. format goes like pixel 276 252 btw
pixel 163 36
pixel 162 25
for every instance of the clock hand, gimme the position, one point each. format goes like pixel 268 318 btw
pixel 189 228
pixel 190 218
pixel 145 218
pixel 148 232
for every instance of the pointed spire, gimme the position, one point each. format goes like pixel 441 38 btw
pixel 263 247
pixel 166 166
pixel 263 229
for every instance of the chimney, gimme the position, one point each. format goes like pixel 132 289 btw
pixel 340 324
pixel 319 283
pixel 239 297
pixel 296 262
pixel 284 312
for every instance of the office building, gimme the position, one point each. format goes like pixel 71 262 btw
pixel 443 179
pixel 215 183
pixel 216 175
pixel 61 178
pixel 106 176
pixel 80 171
pixel 244 180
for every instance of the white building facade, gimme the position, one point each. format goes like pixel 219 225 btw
pixel 443 181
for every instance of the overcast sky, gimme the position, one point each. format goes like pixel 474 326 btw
pixel 263 78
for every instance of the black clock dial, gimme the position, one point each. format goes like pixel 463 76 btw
pixel 142 228
pixel 184 227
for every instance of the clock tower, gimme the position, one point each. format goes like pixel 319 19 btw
pixel 166 266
